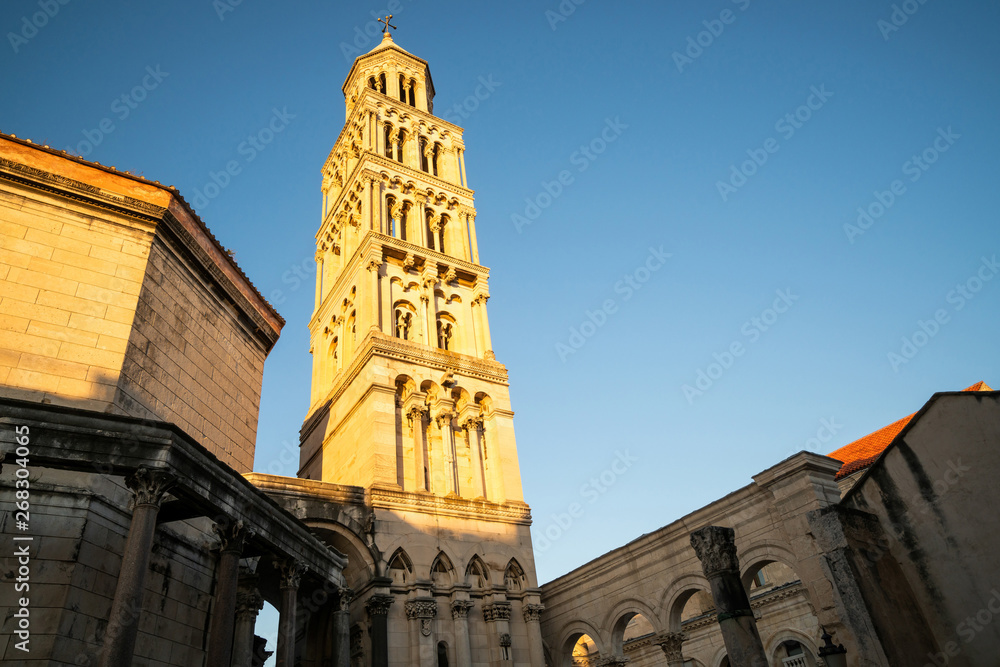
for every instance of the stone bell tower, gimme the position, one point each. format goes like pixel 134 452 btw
pixel 408 401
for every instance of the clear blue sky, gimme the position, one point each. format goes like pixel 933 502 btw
pixel 879 96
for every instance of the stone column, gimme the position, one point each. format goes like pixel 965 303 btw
pixel 463 646
pixel 473 427
pixel 472 238
pixel 233 535
pixel 484 325
pixel 290 577
pixel 461 160
pixel 148 488
pixel 533 619
pixel 448 445
pixel 415 415
pixel 378 614
pixel 671 643
pixel 421 231
pixel 421 613
pixel 716 549
pixel 248 604
pixel 342 629
pixel 369 206
pixel 319 277
pixel 497 617
pixel 373 267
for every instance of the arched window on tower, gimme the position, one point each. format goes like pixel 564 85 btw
pixel 413 90
pixel 422 147
pixel 402 89
pixel 445 331
pixel 372 83
pixel 442 654
pixel 381 83
pixel 387 140
pixel 428 214
pixel 404 319
pixel 440 233
pixel 399 146
pixel 434 158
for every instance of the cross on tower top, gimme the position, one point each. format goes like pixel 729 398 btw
pixel 387 25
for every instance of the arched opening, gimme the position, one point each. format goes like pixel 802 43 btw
pixel 694 605
pixel 514 578
pixel 440 232
pixel 442 573
pixel 402 89
pixel 399 145
pixel 413 89
pixel 581 651
pixel 436 152
pixel 387 140
pixel 424 153
pixel 766 576
pixel 636 629
pixel 428 214
pixel 405 316
pixel 477 575
pixel 446 329
pixel 400 568
pixel 792 653
pixel 724 662
pixel 442 654
pixel 372 83
pixel 381 83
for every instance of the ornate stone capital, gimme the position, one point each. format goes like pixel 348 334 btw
pixel 289 572
pixel 149 486
pixel 473 424
pixel 498 611
pixel 532 612
pixel 715 547
pixel 421 608
pixel 373 265
pixel 481 299
pixel 671 643
pixel 505 639
pixel 460 608
pixel 344 602
pixel 248 604
pixel 443 419
pixel 233 535
pixel 378 605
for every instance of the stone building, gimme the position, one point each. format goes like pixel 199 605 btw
pixel 131 355
pixel 889 547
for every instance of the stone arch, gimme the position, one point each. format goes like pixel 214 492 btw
pixel 621 615
pixel 571 634
pixel 787 634
pixel 442 573
pixel 477 574
pixel 405 320
pixel 677 595
pixel 400 567
pixel 447 330
pixel 719 658
pixel 431 388
pixel 343 534
pixel 759 555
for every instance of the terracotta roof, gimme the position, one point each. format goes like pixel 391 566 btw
pixel 861 453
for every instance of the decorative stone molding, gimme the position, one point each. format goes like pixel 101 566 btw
pixel 233 535
pixel 289 573
pixel 248 604
pixel 149 486
pixel 715 547
pixel 498 611
pixel 451 275
pixel 671 643
pixel 533 612
pixel 613 662
pixel 409 261
pixel 505 640
pixel 460 608
pixel 378 605
pixel 373 265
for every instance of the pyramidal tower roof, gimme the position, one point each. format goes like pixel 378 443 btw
pixel 385 49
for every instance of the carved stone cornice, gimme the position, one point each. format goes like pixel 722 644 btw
pixel 670 643
pixel 149 486
pixel 378 605
pixel 498 611
pixel 715 547
pixel 233 535
pixel 532 612
pixel 460 608
pixel 289 573
pixel 481 510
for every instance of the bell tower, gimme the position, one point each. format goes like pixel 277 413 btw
pixel 406 391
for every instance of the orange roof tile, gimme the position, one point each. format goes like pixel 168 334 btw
pixel 861 453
